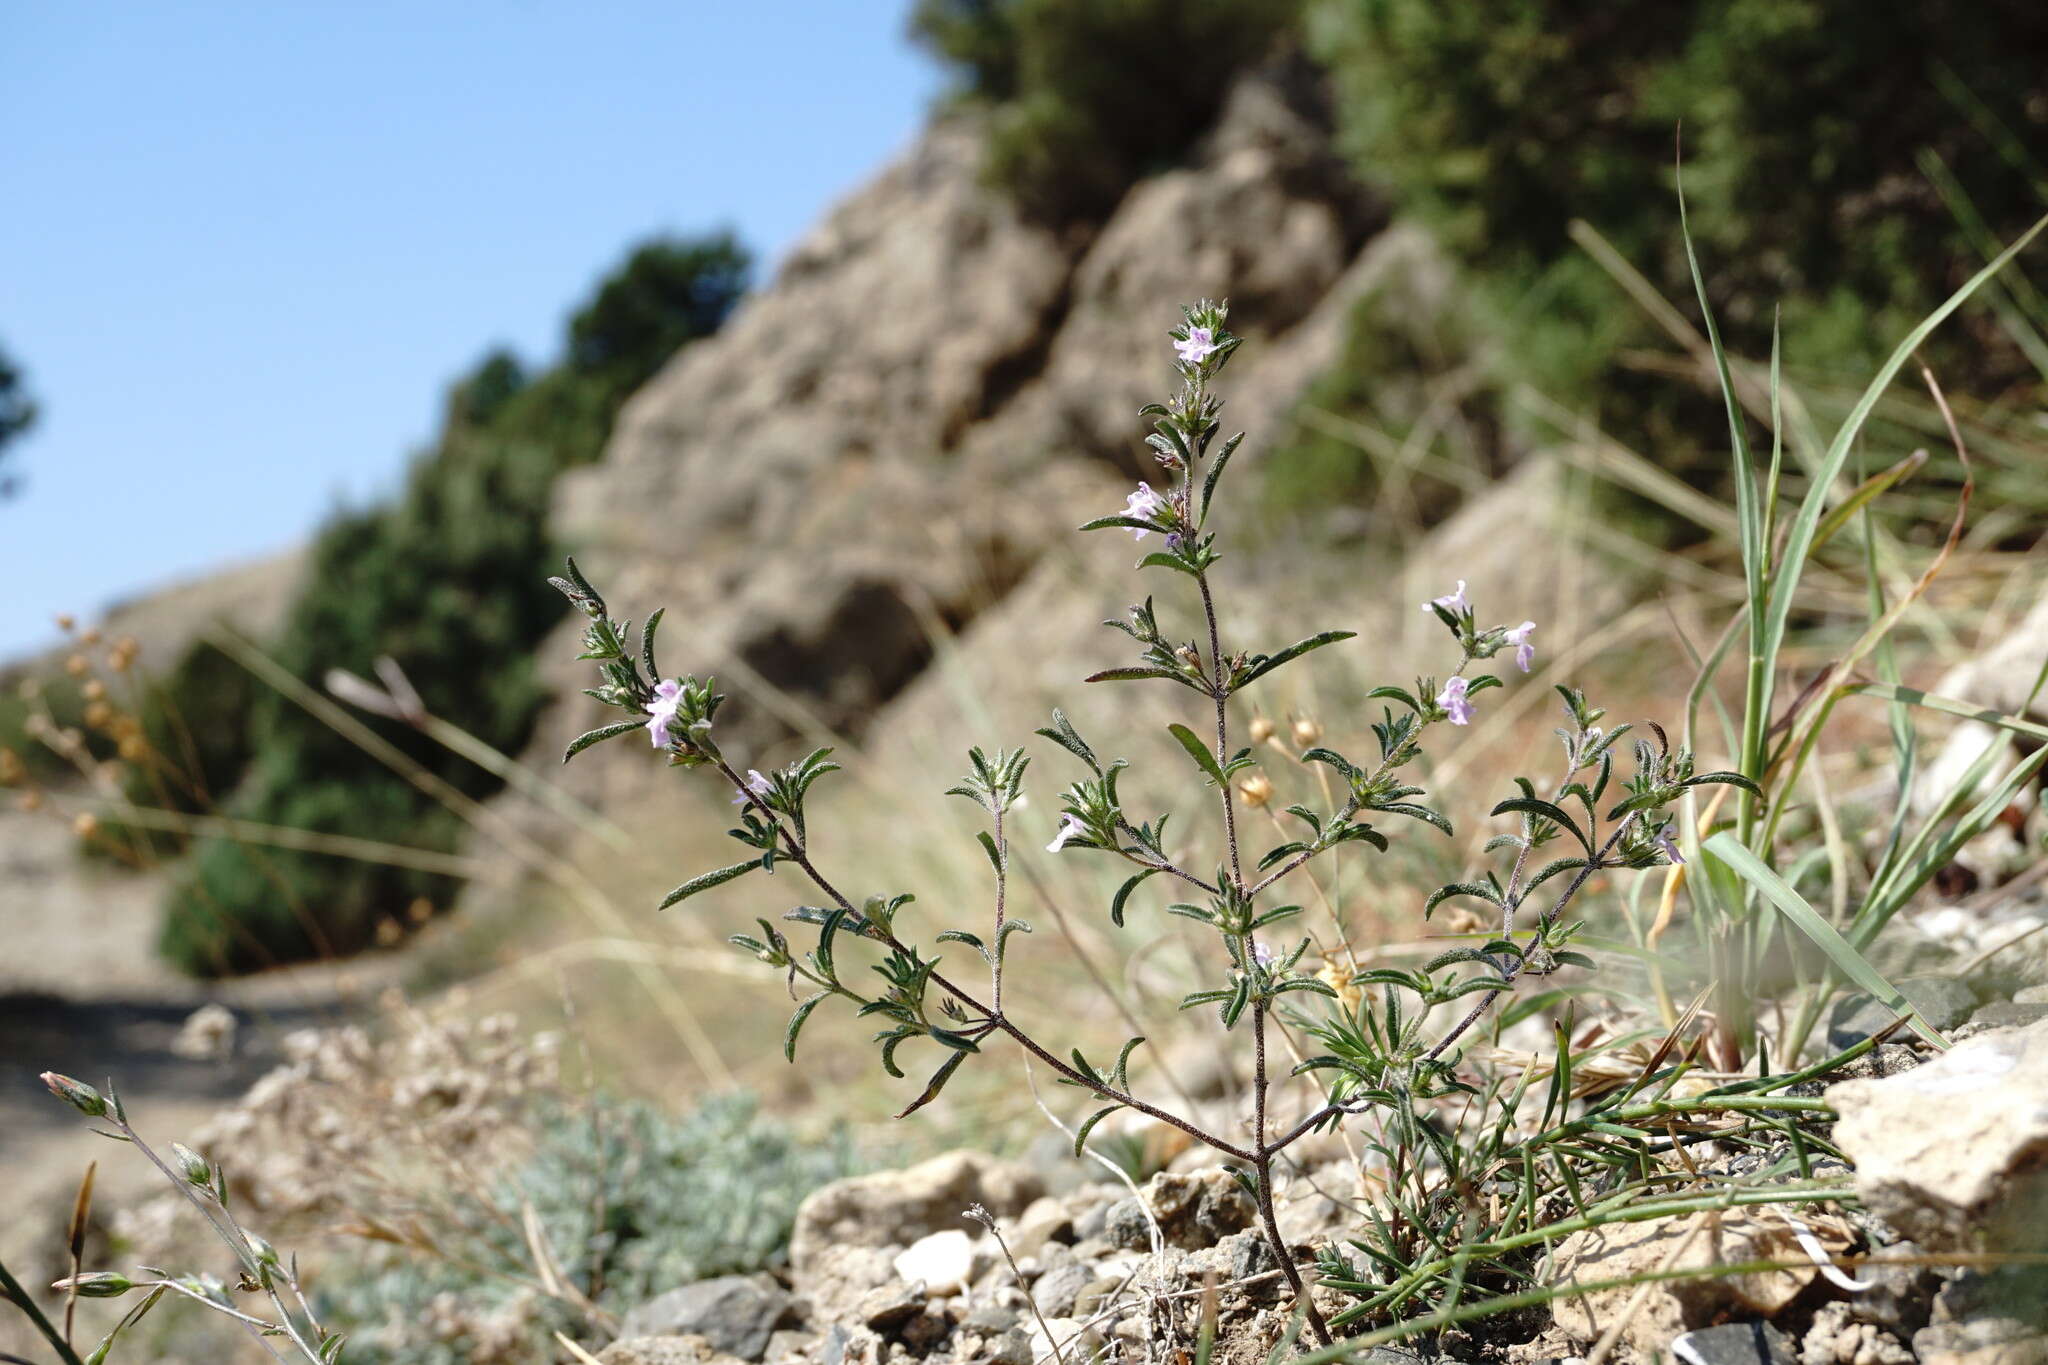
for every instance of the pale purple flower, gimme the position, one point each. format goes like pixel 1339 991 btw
pixel 668 695
pixel 1669 848
pixel 1144 504
pixel 1456 603
pixel 1070 828
pixel 1525 652
pixel 756 784
pixel 1452 699
pixel 1201 343
pixel 1262 954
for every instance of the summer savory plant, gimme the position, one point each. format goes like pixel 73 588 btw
pixel 1380 1050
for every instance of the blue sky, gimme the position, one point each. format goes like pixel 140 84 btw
pixel 244 246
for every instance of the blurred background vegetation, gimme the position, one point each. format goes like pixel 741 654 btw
pixel 1849 175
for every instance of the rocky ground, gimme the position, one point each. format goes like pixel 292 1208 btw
pixel 1948 1151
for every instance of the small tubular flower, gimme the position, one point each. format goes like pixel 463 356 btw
pixel 668 695
pixel 1452 699
pixel 1145 504
pixel 756 784
pixel 1070 828
pixel 1525 651
pixel 1456 603
pixel 1199 346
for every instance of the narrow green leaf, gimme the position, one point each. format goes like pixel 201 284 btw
pixel 1088 1126
pixel 796 1024
pixel 935 1085
pixel 1123 894
pixel 647 643
pixel 1726 849
pixel 1294 651
pixel 707 881
pixel 600 735
pixel 1557 815
pixel 1216 472
pixel 1198 751
pixel 1128 523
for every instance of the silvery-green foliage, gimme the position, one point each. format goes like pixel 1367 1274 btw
pixel 632 1202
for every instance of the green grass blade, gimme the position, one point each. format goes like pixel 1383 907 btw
pixel 1752 532
pixel 1799 545
pixel 1724 848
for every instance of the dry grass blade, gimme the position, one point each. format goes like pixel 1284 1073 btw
pixel 81 1214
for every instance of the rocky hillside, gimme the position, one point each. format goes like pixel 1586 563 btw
pixel 888 440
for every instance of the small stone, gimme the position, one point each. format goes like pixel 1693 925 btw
pixel 890 1307
pixel 788 1345
pixel 1999 1318
pixel 735 1313
pixel 942 1262
pixel 2031 995
pixel 1057 1289
pixel 1901 1289
pixel 1837 1337
pixel 1942 1001
pixel 2009 1014
pixel 1047 1220
pixel 1250 1254
pixel 1735 1343
pixel 991 1319
pixel 1011 1348
pixel 1127 1227
pixel 1096 1296
pixel 1068 1337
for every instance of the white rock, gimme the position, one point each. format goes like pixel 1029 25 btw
pixel 943 1262
pixel 1952 1153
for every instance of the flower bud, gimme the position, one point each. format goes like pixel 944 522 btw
pixel 1306 731
pixel 191 1165
pixel 96 1284
pixel 1256 790
pixel 265 1253
pixel 77 1094
pixel 1262 729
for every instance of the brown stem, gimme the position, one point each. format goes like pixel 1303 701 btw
pixel 797 854
pixel 1263 1164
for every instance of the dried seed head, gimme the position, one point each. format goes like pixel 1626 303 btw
pixel 1255 790
pixel 98 713
pixel 12 769
pixel 1306 731
pixel 77 666
pixel 1261 729
pixel 89 636
pixel 85 824
pixel 93 689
